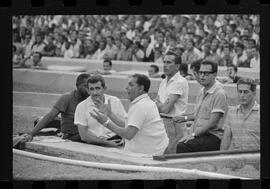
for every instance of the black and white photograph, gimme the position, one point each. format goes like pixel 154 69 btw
pixel 142 96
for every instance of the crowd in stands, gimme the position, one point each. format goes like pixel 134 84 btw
pixel 225 39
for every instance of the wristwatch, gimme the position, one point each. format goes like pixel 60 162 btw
pixel 193 134
pixel 106 123
pixel 185 117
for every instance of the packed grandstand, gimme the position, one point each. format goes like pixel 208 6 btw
pixel 226 39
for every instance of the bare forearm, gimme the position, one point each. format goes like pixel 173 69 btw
pixel 118 130
pixel 91 139
pixel 117 120
pixel 41 124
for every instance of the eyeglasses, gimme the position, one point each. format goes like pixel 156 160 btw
pixel 205 73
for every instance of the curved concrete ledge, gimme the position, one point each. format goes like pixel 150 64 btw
pixel 66 80
pixel 128 65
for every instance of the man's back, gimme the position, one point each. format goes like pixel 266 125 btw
pixel 151 137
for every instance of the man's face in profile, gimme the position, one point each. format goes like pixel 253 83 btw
pixel 106 66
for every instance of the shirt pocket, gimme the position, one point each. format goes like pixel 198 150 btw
pixel 205 112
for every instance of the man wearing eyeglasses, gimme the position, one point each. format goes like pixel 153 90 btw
pixel 210 110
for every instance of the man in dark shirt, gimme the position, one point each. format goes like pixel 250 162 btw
pixel 232 73
pixel 66 105
pixel 49 49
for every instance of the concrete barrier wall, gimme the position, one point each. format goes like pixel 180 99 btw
pixel 47 100
pixel 66 80
pixel 127 65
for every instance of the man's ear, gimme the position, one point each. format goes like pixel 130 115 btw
pixel 141 88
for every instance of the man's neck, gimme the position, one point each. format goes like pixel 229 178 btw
pixel 79 96
pixel 206 88
pixel 170 76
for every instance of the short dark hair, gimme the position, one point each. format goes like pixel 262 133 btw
pixel 234 67
pixel 142 80
pixel 178 59
pixel 96 78
pixel 214 65
pixel 155 67
pixel 81 77
pixel 183 67
pixel 196 65
pixel 248 81
pixel 109 61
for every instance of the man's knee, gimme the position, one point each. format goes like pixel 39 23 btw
pixel 182 148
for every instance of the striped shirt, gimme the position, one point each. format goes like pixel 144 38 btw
pixel 245 128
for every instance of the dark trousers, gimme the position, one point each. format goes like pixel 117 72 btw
pixel 205 142
pixel 73 137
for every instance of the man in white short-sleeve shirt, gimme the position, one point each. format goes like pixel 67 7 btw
pixel 172 96
pixel 144 131
pixel 90 130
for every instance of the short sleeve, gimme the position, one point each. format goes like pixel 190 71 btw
pixel 79 116
pixel 177 88
pixel 227 122
pixel 220 103
pixel 62 103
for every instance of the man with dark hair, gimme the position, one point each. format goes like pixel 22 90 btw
pixel 191 53
pixel 242 123
pixel 153 71
pixel 183 69
pixel 144 130
pixel 172 97
pixel 210 110
pixel 232 73
pixel 33 61
pixel 90 130
pixel 65 105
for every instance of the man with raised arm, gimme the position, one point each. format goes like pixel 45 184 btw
pixel 144 131
pixel 90 130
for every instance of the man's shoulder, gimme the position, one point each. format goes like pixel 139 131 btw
pixel 111 97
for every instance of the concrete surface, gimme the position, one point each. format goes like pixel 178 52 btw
pixel 66 80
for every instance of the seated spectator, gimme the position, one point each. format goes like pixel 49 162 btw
pixel 153 71
pixel 68 52
pixel 255 60
pixel 49 49
pixel 27 45
pixel 191 53
pixel 107 68
pixel 240 59
pixel 39 44
pixel 242 123
pixel 158 56
pixel 58 52
pixel 33 61
pixel 226 55
pixel 183 69
pixel 211 108
pixel 137 52
pixel 111 49
pixel 89 49
pixel 126 52
pixel 17 55
pixel 232 73
pixel 148 50
pixel 99 54
pixel 92 131
pixel 195 67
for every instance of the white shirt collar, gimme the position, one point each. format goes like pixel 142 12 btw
pixel 138 98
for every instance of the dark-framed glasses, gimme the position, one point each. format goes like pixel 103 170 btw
pixel 206 73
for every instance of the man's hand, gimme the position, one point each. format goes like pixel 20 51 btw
pixel 102 107
pixel 99 116
pixel 186 138
pixel 179 119
pixel 27 138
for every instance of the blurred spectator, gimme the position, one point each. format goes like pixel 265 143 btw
pixel 158 56
pixel 33 61
pixel 49 49
pixel 137 52
pixel 148 50
pixel 240 59
pixel 183 69
pixel 99 54
pixel 68 52
pixel 39 44
pixel 153 71
pixel 111 49
pixel 190 36
pixel 126 52
pixel 191 53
